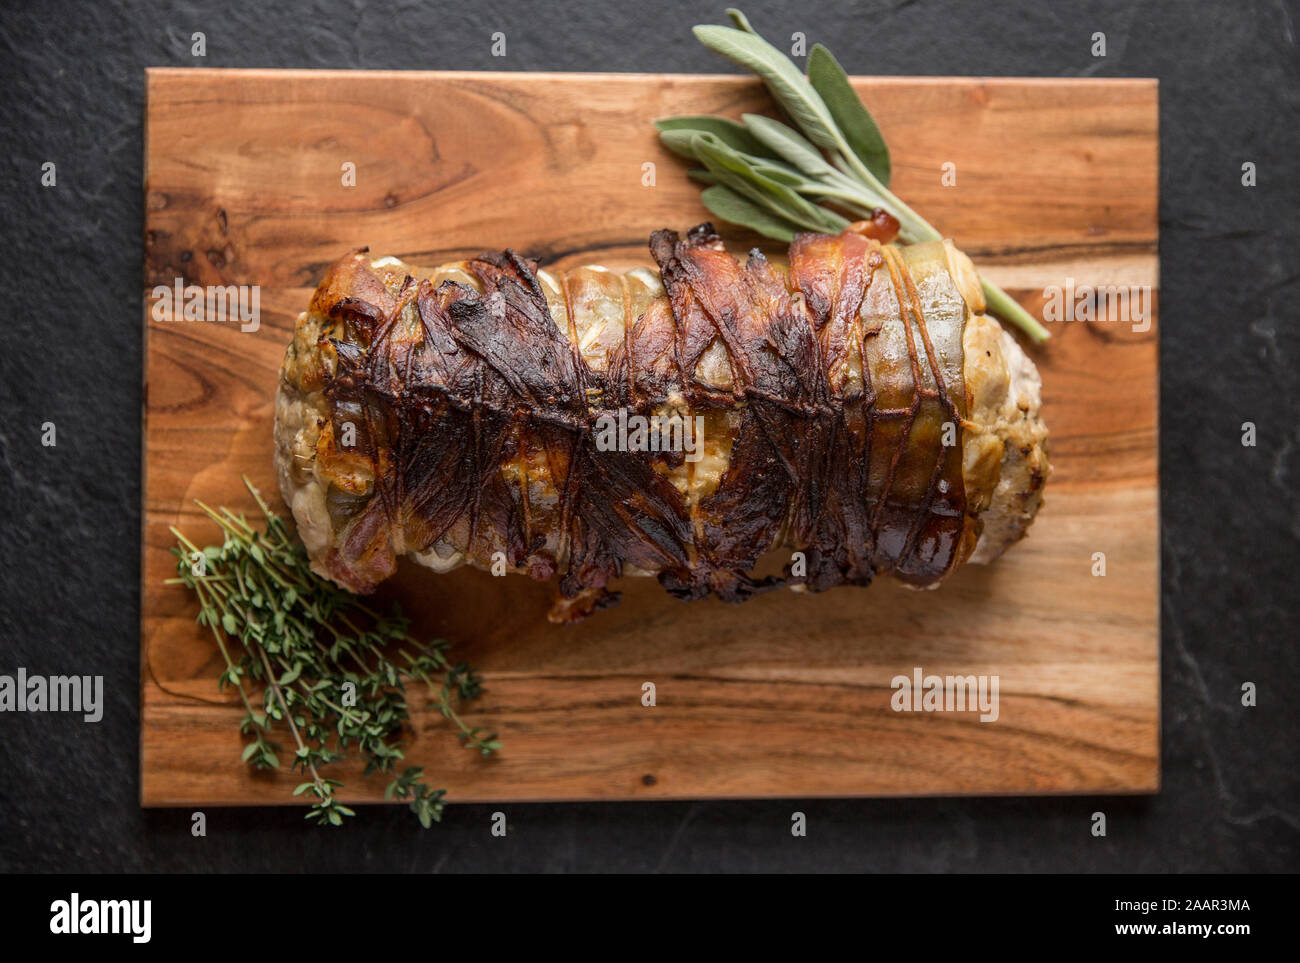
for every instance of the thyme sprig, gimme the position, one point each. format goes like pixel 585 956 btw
pixel 331 670
pixel 778 180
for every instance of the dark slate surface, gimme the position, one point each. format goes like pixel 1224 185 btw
pixel 72 93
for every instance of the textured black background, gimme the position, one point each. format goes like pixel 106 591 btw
pixel 70 352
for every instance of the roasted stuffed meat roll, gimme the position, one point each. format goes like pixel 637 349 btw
pixel 728 428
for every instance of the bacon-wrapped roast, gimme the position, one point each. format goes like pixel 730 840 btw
pixel 857 408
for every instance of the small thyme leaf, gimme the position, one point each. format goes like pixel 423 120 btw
pixel 304 642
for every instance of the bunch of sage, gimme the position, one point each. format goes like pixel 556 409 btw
pixel 778 179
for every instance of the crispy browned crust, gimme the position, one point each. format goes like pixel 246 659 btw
pixel 444 386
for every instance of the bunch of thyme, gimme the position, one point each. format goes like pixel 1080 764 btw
pixel 330 669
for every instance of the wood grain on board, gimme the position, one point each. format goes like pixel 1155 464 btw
pixel 785 696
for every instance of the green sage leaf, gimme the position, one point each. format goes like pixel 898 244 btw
pixel 725 203
pixel 740 20
pixel 851 116
pixel 782 77
pixel 788 144
pixel 781 173
pixel 676 133
pixel 734 171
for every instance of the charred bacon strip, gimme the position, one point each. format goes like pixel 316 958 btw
pixel 471 408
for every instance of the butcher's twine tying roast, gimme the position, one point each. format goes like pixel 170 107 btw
pixel 453 415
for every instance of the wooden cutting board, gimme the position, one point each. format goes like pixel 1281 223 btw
pixel 785 696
